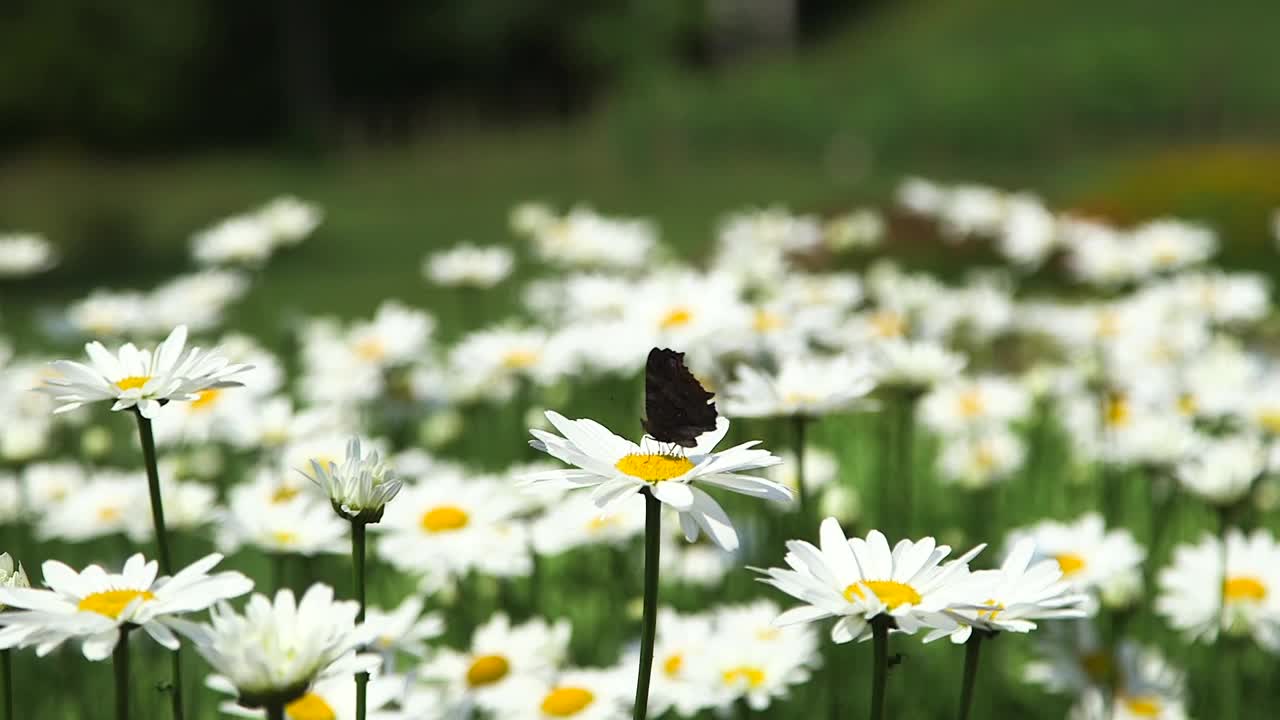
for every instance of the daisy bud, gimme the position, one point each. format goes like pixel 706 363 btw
pixel 360 487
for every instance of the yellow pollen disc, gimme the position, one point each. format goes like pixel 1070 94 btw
pixel 768 634
pixel 1070 563
pixel 653 467
pixel 673 665
pixel 112 602
pixel 1187 404
pixel 445 518
pixel 205 399
pixel 284 537
pixel 888 324
pixel 487 670
pixel 749 674
pixel 991 614
pixel 283 494
pixel 971 404
pixel 133 382
pixel 371 349
pixel 1097 666
pixel 567 701
pixel 891 593
pixel 520 359
pixel 1116 412
pixel 984 459
pixel 309 707
pixel 1270 420
pixel 1143 706
pixel 603 522
pixel 1108 324
pixel 1243 588
pixel 109 514
pixel 677 317
pixel 799 398
pixel 765 321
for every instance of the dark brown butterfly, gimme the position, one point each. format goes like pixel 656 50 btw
pixel 677 408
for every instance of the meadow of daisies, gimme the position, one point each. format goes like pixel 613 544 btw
pixel 1040 488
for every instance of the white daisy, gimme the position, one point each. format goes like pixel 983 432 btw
pixel 107 505
pixel 141 378
pixel 24 254
pixel 333 698
pixel 11 577
pixel 240 239
pixel 1090 556
pixel 1012 598
pixel 469 265
pixel 747 659
pixel 1143 686
pixel 975 402
pixel 1200 599
pixel 93 604
pixel 403 629
pixel 802 386
pixel 360 487
pixel 979 458
pixel 915 364
pixel 578 522
pixel 855 580
pixel 578 694
pixel 278 648
pixel 289 219
pixel 618 468
pixel 678 651
pixel 280 521
pixel 1223 470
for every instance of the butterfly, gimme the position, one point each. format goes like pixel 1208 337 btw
pixel 677 408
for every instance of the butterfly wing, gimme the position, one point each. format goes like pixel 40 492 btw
pixel 677 408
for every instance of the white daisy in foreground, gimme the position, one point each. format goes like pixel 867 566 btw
pixel 141 378
pixel 802 386
pixel 856 580
pixel 277 649
pixel 360 487
pixel 94 604
pixel 1013 597
pixel 1200 599
pixel 1091 557
pixel 617 468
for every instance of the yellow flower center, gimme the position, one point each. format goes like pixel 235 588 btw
pixel 1097 665
pixel 888 324
pixel 284 537
pixel 676 317
pixel 1116 411
pixel 751 675
pixel 890 592
pixel 1243 589
pixel 766 321
pixel 108 514
pixel 445 518
pixel 1108 323
pixel 487 670
pixel 603 522
pixel 205 399
pixel 567 701
pixel 1143 706
pixel 970 404
pixel 283 494
pixel 371 348
pixel 1187 404
pixel 1270 420
pixel 673 664
pixel 112 602
pixel 1070 563
pixel 991 614
pixel 984 459
pixel 133 382
pixel 520 359
pixel 653 467
pixel 309 707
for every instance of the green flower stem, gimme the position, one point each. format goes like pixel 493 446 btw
pixel 148 440
pixel 357 560
pixel 1227 653
pixel 880 672
pixel 972 653
pixel 6 662
pixel 807 521
pixel 120 664
pixel 275 711
pixel 652 546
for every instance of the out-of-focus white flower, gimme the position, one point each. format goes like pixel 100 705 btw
pixel 571 693
pixel 141 378
pixel 24 254
pixel 93 604
pixel 197 300
pixel 1090 556
pixel 584 238
pixel 1030 232
pixel 103 506
pixel 802 386
pixel 360 487
pixel 749 659
pixel 859 229
pixel 1223 470
pixel 332 698
pixel 921 196
pixel 280 520
pixel 1146 686
pixel 1201 598
pixel 1165 245
pixel 820 470
pixel 403 629
pixel 577 522
pixel 469 265
pixel 289 220
pixel 978 459
pixel 239 240
pixel 107 313
pixel 529 218
pixel 276 650
pixel 916 365
pixel 974 403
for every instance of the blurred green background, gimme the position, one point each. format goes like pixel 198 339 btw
pixel 126 127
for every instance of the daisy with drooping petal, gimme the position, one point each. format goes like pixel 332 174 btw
pixel 1012 598
pixel 141 378
pixel 93 604
pixel 1201 599
pixel 617 468
pixel 276 650
pixel 856 580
